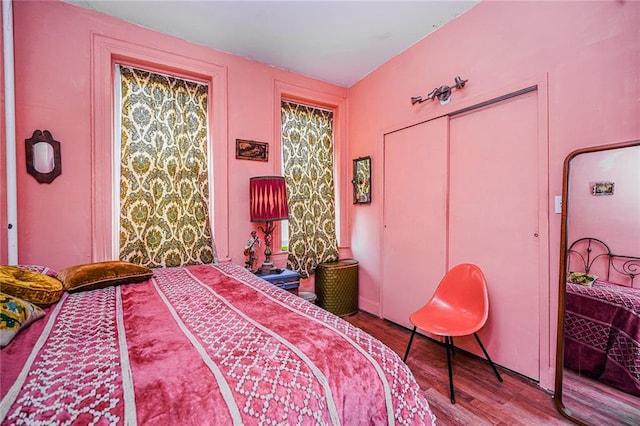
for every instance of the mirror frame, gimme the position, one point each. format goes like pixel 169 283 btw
pixel 45 137
pixel 361 193
pixel 563 273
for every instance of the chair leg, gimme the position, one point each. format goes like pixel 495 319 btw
pixel 495 370
pixel 449 343
pixel 406 354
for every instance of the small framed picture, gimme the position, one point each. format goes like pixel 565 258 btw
pixel 602 188
pixel 252 150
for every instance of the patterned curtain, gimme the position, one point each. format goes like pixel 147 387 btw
pixel 307 140
pixel 164 189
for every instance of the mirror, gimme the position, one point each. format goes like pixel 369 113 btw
pixel 43 160
pixel 43 156
pixel 598 356
pixel 361 180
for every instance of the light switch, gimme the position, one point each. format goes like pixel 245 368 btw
pixel 558 203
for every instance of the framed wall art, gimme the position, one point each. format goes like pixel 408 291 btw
pixel 252 150
pixel 602 188
pixel 361 180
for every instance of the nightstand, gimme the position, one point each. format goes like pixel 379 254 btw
pixel 286 280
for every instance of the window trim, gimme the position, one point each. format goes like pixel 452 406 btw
pixel 106 52
pixel 289 92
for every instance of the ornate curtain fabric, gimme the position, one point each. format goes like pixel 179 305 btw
pixel 164 188
pixel 307 140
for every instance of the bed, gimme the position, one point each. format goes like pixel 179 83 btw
pixel 204 344
pixel 602 320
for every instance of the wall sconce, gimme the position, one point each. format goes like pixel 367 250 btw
pixel 44 160
pixel 267 203
pixel 443 93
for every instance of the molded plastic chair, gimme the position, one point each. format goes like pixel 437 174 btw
pixel 459 307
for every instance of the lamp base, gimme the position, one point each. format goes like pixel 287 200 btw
pixel 266 269
pixel 267 265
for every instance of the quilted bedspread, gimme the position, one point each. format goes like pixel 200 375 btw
pixel 206 344
pixel 602 334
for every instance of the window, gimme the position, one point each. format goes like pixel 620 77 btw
pixel 163 173
pixel 308 158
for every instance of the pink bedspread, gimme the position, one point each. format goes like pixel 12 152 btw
pixel 602 334
pixel 197 346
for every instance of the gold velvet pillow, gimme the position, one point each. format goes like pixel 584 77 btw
pixel 91 276
pixel 31 286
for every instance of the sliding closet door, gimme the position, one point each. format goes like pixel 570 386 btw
pixel 494 222
pixel 414 236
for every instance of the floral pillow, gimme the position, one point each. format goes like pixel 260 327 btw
pixel 581 278
pixel 15 314
pixel 40 269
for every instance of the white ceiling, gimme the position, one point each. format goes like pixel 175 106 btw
pixel 336 41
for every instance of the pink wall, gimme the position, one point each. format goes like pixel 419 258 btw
pixel 53 44
pixel 614 219
pixel 588 52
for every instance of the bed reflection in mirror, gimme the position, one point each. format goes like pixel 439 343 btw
pixel 598 361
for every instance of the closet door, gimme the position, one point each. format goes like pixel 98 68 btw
pixel 494 222
pixel 414 235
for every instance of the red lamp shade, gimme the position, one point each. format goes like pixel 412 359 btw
pixel 268 199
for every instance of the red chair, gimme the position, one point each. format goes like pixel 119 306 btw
pixel 459 307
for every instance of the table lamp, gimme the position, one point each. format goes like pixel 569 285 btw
pixel 267 203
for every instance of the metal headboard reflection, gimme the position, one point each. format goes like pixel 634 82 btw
pixel 586 251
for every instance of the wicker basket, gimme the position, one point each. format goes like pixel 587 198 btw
pixel 337 286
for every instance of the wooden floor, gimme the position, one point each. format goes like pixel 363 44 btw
pixel 581 394
pixel 480 398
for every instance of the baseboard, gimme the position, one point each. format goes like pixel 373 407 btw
pixel 370 306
